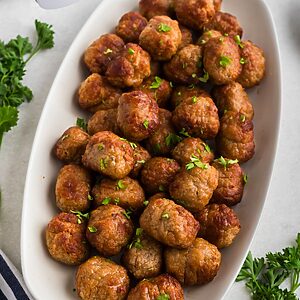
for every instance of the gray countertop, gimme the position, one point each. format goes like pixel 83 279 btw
pixel 280 220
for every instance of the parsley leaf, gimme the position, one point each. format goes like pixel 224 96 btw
pixel 92 229
pixel 80 215
pixel 121 185
pixel 163 296
pixel 163 28
pixel 195 162
pixel 205 77
pixel 165 216
pixel 136 243
pixel 146 124
pixel 106 200
pixel 81 123
pixel 242 61
pixel 226 162
pixel 130 51
pixel 224 61
pixel 238 41
pixel 8 119
pixel 156 83
pixel 184 132
pixel 173 139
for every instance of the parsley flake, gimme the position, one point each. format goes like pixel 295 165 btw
pixel 206 147
pixel 242 118
pixel 100 147
pixel 106 200
pixel 63 138
pixel 242 61
pixel 103 163
pixel 245 178
pixel 136 243
pixel 146 202
pixel 184 132
pixel 163 296
pixel 130 51
pixel 163 28
pixel 92 229
pixel 205 77
pixel 195 162
pixel 146 124
pixel 238 41
pixel 156 83
pixel 90 198
pixel 107 51
pixel 121 185
pixel 132 145
pixel 226 162
pixel 165 216
pixel 127 213
pixel 81 123
pixel 172 139
pixel 80 215
pixel 194 99
pixel 224 61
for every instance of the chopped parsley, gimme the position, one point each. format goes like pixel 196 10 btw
pixel 224 61
pixel 103 163
pixel 142 161
pixel 156 148
pixel 107 51
pixel 245 178
pixel 100 147
pixel 242 61
pixel 127 213
pixel 117 200
pixel 106 200
pixel 172 139
pixel 156 83
pixel 194 75
pixel 146 124
pixel 90 197
pixel 81 123
pixel 194 99
pixel 65 137
pixel 226 162
pixel 221 39
pixel 146 202
pixel 195 162
pixel 130 51
pixel 92 229
pixel 165 216
pixel 206 147
pixel 132 145
pixel 184 132
pixel 238 41
pixel 163 28
pixel 205 77
pixel 80 215
pixel 163 296
pixel 242 118
pixel 136 243
pixel 171 84
pixel 121 185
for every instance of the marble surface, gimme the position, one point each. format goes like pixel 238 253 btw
pixel 280 220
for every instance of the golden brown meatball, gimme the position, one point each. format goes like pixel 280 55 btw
pixel 186 36
pixel 198 115
pixel 161 38
pixel 101 52
pixel 185 65
pixel 169 223
pixel 254 65
pixel 158 173
pixel 71 145
pixel 161 287
pixel 194 13
pixel 225 23
pixel 65 238
pixel 152 8
pixel 232 97
pixel 198 264
pixel 137 115
pixel 231 182
pixel 102 279
pixel 236 138
pixel 130 26
pixel 221 59
pixel 109 155
pixel 217 4
pixel 140 156
pixel 160 195
pixel 125 192
pixel 95 93
pixel 219 225
pixel 130 67
pixel 73 185
pixel 207 35
pixel 192 147
pixel 193 187
pixel 109 229
pixel 143 258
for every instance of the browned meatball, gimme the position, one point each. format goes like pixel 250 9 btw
pixel 221 59
pixel 101 52
pixel 140 156
pixel 95 93
pixel 152 8
pixel 194 13
pixel 193 187
pixel 161 142
pixel 109 229
pixel 192 147
pixel 158 173
pixel 218 224
pixel 236 138
pixel 217 4
pixel 254 65
pixel 130 26
pixel 130 67
pixel 109 155
pixel 161 37
pixel 143 258
pixel 198 115
pixel 65 238
pixel 198 264
pixel 160 195
pixel 186 36
pixel 161 287
pixel 71 145
pixel 125 192
pixel 169 223
pixel 225 23
pixel 102 279
pixel 232 97
pixel 231 182
pixel 185 65
pixel 137 115
pixel 103 120
pixel 207 35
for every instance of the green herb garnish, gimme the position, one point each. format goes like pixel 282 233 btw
pixel 205 77
pixel 103 163
pixel 90 198
pixel 184 132
pixel 130 51
pixel 163 28
pixel 132 145
pixel 146 202
pixel 163 296
pixel 206 147
pixel 156 83
pixel 107 51
pixel 127 213
pixel 80 215
pixel 165 216
pixel 245 178
pixel 224 61
pixel 92 229
pixel 173 139
pixel 136 243
pixel 242 118
pixel 238 41
pixel 226 162
pixel 195 162
pixel 81 123
pixel 194 99
pixel 242 61
pixel 121 185
pixel 106 200
pixel 146 124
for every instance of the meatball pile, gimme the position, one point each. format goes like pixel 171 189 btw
pixel 152 178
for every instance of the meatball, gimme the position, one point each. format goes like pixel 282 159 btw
pixel 71 145
pixel 162 141
pixel 103 120
pixel 185 65
pixel 95 93
pixel 194 13
pixel 207 35
pixel 218 224
pixel 102 51
pixel 236 138
pixel 186 36
pixel 254 65
pixel 169 223
pixel 161 287
pixel 232 97
pixel 152 8
pixel 140 156
pixel 65 238
pixel 160 195
pixel 109 155
pixel 125 192
pixel 158 173
pixel 137 115
pixel 73 185
pixel 143 258
pixel 130 67
pixel 231 182
pixel 198 264
pixel 161 38
pixel 192 147
pixel 193 187
pixel 130 26
pixel 109 229
pixel 102 279
pixel 221 59
pixel 217 4
pixel 198 115
pixel 225 23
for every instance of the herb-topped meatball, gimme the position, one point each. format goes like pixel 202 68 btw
pixel 161 38
pixel 101 52
pixel 140 156
pixel 207 35
pixel 152 8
